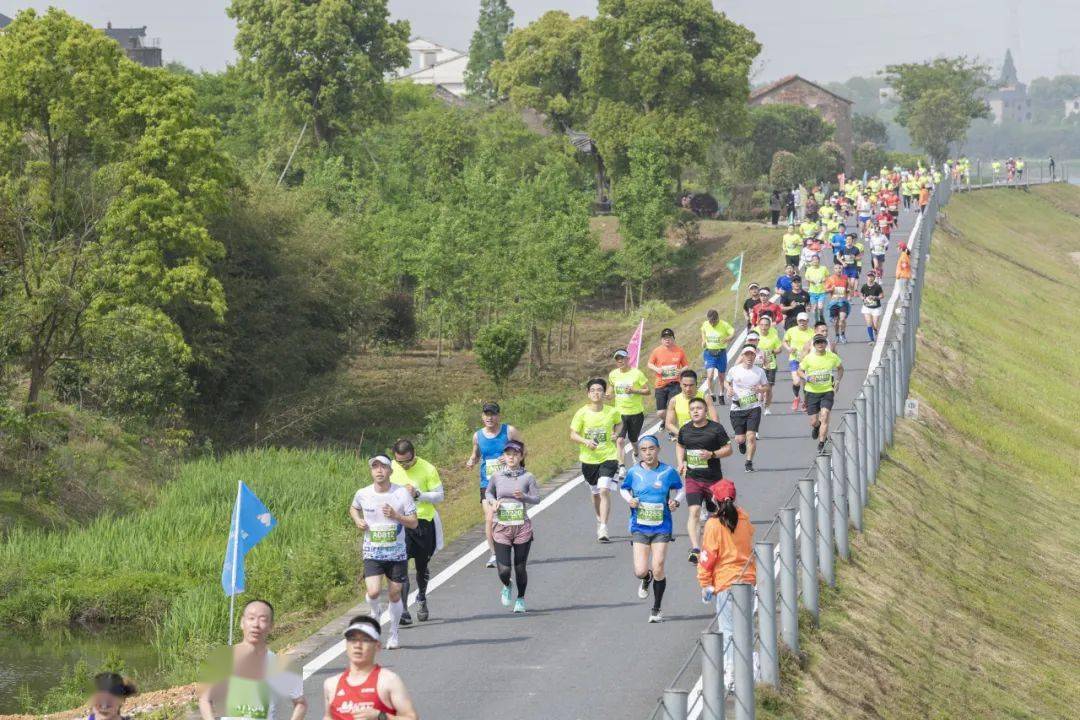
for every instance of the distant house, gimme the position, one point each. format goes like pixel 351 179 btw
pixel 438 65
pixel 796 90
pixel 1072 106
pixel 1009 101
pixel 143 50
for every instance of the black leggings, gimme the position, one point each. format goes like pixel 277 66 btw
pixel 521 556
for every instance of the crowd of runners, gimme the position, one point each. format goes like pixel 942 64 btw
pixel 800 320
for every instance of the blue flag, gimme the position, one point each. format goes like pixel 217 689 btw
pixel 251 522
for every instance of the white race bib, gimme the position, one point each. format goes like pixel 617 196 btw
pixel 697 459
pixel 511 512
pixel 383 535
pixel 651 514
pixel 493 466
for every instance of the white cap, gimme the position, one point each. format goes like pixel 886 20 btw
pixel 379 459
pixel 367 628
pixel 802 316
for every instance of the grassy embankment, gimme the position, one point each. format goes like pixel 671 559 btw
pixel 962 599
pixel 159 569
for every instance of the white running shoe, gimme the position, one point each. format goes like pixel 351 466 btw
pixel 602 533
pixel 656 616
pixel 504 596
pixel 392 642
pixel 643 586
pixel 768 411
pixel 491 561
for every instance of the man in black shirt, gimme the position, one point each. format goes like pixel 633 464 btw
pixel 872 294
pixel 793 302
pixel 750 302
pixel 702 442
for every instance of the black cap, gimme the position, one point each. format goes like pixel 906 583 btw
pixel 667 332
pixel 820 339
pixel 491 408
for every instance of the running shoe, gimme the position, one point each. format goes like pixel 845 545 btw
pixel 815 430
pixel 392 642
pixel 406 619
pixel 622 471
pixel 656 616
pixel 504 596
pixel 602 533
pixel 723 400
pixel 491 561
pixel 742 448
pixel 519 605
pixel 749 467
pixel 422 612
pixel 843 339
pixel 692 558
pixel 821 448
pixel 643 588
pixel 768 411
pixel 795 405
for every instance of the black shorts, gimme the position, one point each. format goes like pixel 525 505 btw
pixel 743 421
pixel 664 394
pixel 770 375
pixel 631 426
pixel 394 570
pixel 592 473
pixel 815 402
pixel 420 541
pixel 792 260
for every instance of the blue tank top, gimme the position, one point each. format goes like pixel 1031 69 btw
pixel 491 450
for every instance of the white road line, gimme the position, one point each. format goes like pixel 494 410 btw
pixel 332 652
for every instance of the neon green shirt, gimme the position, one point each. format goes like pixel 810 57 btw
pixel 815 277
pixel 797 338
pixel 769 345
pixel 424 477
pixel 792 243
pixel 819 370
pixel 626 402
pixel 716 335
pixel 598 426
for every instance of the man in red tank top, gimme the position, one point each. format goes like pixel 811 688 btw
pixel 366 691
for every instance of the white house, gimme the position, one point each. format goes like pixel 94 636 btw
pixel 435 64
pixel 1072 106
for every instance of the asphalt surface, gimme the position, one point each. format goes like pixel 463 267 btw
pixel 584 649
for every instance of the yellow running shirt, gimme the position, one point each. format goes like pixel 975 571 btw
pixel 819 371
pixel 626 402
pixel 598 426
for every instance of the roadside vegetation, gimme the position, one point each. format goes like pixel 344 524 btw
pixel 963 596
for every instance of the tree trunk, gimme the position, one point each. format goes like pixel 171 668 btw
pixel 37 382
pixel 536 342
pixel 570 333
pixel 438 347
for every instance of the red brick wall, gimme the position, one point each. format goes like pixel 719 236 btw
pixel 837 112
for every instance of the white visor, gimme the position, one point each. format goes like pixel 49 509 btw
pixel 366 628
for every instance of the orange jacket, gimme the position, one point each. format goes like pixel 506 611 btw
pixel 903 267
pixel 724 554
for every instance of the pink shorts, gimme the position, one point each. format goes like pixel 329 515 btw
pixel 512 534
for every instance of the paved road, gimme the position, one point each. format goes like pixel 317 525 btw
pixel 585 650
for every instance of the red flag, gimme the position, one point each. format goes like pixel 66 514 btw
pixel 633 348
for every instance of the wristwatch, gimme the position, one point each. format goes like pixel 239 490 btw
pixel 383 715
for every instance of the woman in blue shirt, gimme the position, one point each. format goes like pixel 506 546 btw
pixel 647 488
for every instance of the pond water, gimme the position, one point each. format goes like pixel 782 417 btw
pixel 41 661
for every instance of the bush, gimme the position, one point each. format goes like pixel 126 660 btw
pixel 656 311
pixel 784 172
pixel 869 158
pixel 499 347
pixel 904 159
pixel 398 326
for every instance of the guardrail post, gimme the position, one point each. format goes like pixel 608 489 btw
pixel 863 449
pixel 901 366
pixel 808 547
pixel 840 495
pixel 713 692
pixel 824 518
pixel 789 594
pixel 883 413
pixel 874 406
pixel 853 470
pixel 674 706
pixel 765 553
pixel 743 596
pixel 887 397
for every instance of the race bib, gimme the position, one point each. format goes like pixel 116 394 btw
pixel 839 291
pixel 747 400
pixel 819 377
pixel 597 435
pixel 712 338
pixel 770 356
pixel 383 535
pixel 511 512
pixel 667 372
pixel 623 391
pixel 493 466
pixel 697 459
pixel 651 514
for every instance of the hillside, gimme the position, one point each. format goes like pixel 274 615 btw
pixel 963 597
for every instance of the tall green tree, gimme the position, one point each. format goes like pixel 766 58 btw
pixel 643 203
pixel 495 23
pixel 108 178
pixel 783 127
pixel 938 101
pixel 323 63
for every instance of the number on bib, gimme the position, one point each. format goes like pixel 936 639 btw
pixel 383 534
pixel 747 400
pixel 511 512
pixel 697 459
pixel 651 514
pixel 493 466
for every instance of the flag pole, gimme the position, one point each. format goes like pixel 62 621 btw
pixel 738 288
pixel 235 551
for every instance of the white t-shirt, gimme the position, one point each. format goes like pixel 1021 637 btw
pixel 879 244
pixel 743 381
pixel 384 538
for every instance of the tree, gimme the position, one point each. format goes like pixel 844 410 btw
pixel 784 172
pixel 323 63
pixel 867 128
pixel 108 179
pixel 495 23
pixel 643 203
pixel 938 101
pixel 783 127
pixel 499 347
pixel 870 158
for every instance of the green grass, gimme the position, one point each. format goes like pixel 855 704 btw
pixel 963 596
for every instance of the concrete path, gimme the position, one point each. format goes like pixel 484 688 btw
pixel 585 650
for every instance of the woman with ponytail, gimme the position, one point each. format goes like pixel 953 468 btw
pixel 110 692
pixel 727 557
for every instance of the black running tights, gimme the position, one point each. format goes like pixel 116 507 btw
pixel 520 557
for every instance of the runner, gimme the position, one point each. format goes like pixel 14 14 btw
pixel 667 361
pixel 766 307
pixel 678 412
pixel 647 488
pixel 487 447
pixel 382 511
pixel 747 384
pixel 817 371
pixel 727 557
pixel 257 679
pixel 849 259
pixel 749 303
pixel 790 245
pixel 715 336
pixel 110 692
pixel 872 294
pixel 769 344
pixel 422 481
pixel 879 245
pixel 796 342
pixel 839 306
pixel 626 385
pixel 701 444
pixel 903 269
pixel 794 303
pixel 509 492
pixel 783 283
pixel 595 427
pixel 365 690
pixel 815 276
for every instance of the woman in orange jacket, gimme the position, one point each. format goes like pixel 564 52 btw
pixel 903 269
pixel 727 557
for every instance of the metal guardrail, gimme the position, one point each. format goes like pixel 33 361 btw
pixel 831 498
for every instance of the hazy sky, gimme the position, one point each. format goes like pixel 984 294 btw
pixel 824 40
